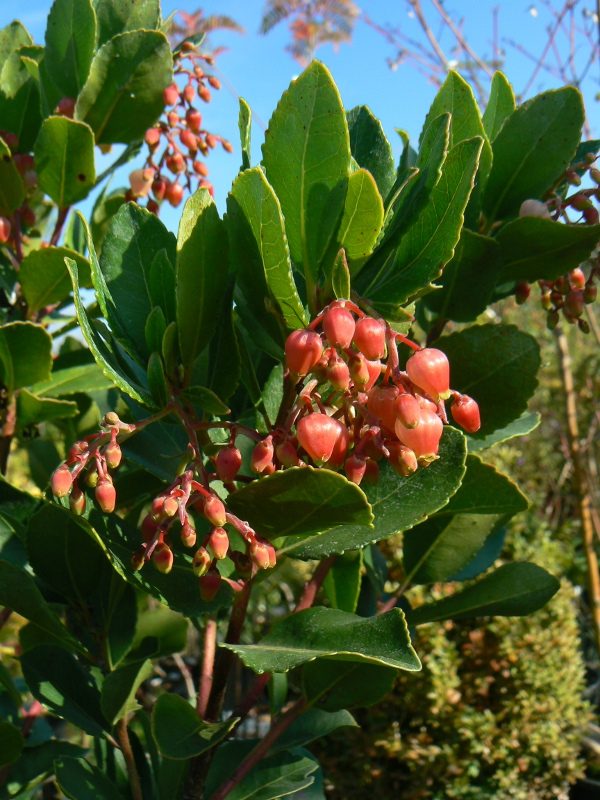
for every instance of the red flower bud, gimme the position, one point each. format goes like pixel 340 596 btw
pixel 262 456
pixel 374 368
pixel 61 482
pixel 112 453
pixel 465 412
pixel 355 468
pixel 106 495
pixel 170 506
pixel 339 326
pixel 371 471
pixel 214 511
pixel 218 541
pixel 171 95
pixel 430 371
pixel 338 374
pixel 209 585
pixel 188 140
pixel 162 558
pixel 359 370
pixel 287 454
pixel 228 463
pixel 193 120
pixel 259 553
pixel 66 107
pixel 402 459
pixel 174 194
pixel 5 228
pixel 77 501
pixel 319 434
pixel 152 137
pixel 201 562
pixel 188 534
pixel 382 404
pixel 577 278
pixel 369 337
pixel 303 349
pixel 408 410
pixel 424 440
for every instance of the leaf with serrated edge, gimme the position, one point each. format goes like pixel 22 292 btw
pixel 333 634
pixel 521 426
pixel 485 490
pixel 501 105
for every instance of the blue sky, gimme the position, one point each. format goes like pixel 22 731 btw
pixel 259 69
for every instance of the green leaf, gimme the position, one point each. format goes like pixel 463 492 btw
pixel 12 37
pixel 31 409
pixel 80 780
pixel 521 426
pixel 370 147
pixel 133 237
pixel 307 159
pixel 532 150
pixel 532 249
pixel 497 365
pixel 500 106
pixel 64 160
pixel 468 280
pixel 429 242
pixel 70 44
pixel 44 276
pixel 277 776
pixel 178 589
pixel 484 490
pixel 123 94
pixel 12 190
pixel 73 380
pixel 99 349
pixel 117 698
pixel 206 400
pixel 157 382
pixel 342 584
pixel 260 256
pixel 25 356
pixel 456 97
pixel 180 733
pixel 330 633
pixel 167 628
pixel 201 274
pixel 154 329
pixel 20 95
pixel 398 503
pixel 340 277
pixel 245 128
pixel 161 283
pixel 333 685
pixel 57 680
pixel 11 743
pixel 67 557
pixel 301 501
pixel 115 17
pixel 442 545
pixel 313 724
pixel 36 763
pixel 512 590
pixel 363 215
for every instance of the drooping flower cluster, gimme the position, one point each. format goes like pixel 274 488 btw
pixel 179 142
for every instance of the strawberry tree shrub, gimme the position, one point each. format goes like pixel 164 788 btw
pixel 261 399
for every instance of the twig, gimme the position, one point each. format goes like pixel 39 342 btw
pixel 132 773
pixel 314 584
pixel 207 668
pixel 60 221
pixel 416 4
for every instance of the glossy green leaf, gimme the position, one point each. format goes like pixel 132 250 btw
pixel 164 626
pixel 133 237
pixel 157 382
pixel 340 277
pixel 500 105
pixel 123 94
pixel 512 590
pixel 180 733
pixel 273 777
pixel 532 249
pixel 456 97
pixel 468 280
pixel 206 400
pixel 484 490
pixel 20 94
pixel 13 36
pixel 25 356
pixel 99 348
pixel 36 763
pixel 307 158
pixel 521 426
pixel 301 501
pixel 363 215
pixel 161 283
pixel 370 147
pixel 201 274
pixel 442 545
pixel 429 242
pixel 45 278
pixel 117 698
pixel 64 160
pixel 497 365
pixel 334 685
pixel 115 16
pixel 178 589
pixel 73 380
pixel 533 148
pixel 260 256
pixel 342 583
pixel 313 724
pixel 330 633
pixel 67 557
pixel 80 780
pixel 12 190
pixel 57 680
pixel 11 743
pixel 154 329
pixel 245 128
pixel 32 410
pixel 70 44
pixel 398 503
pixel 106 206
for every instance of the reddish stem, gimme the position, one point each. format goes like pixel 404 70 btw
pixel 314 584
pixel 208 663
